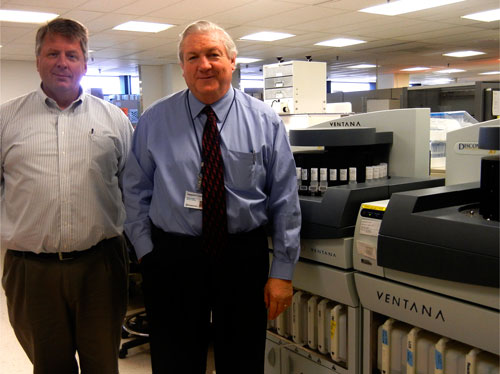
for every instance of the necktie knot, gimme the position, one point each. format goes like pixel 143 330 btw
pixel 208 111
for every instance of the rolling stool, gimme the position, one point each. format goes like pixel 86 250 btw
pixel 136 326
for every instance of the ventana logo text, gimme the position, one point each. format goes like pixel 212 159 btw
pixel 400 302
pixel 345 124
pixel 322 252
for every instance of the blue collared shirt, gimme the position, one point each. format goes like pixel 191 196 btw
pixel 259 173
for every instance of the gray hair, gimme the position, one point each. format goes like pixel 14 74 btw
pixel 69 28
pixel 205 27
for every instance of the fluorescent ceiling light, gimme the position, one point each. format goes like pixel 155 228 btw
pixel 25 17
pixel 246 60
pixel 362 66
pixel 490 73
pixel 463 54
pixel 449 71
pixel 416 68
pixel 487 16
pixel 431 82
pixel 267 36
pixel 394 8
pixel 340 42
pixel 354 79
pixel 143 26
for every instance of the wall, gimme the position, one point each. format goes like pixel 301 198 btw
pixel 173 79
pixel 359 99
pixel 151 78
pixel 159 81
pixel 17 78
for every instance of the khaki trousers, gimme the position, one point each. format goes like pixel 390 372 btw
pixel 59 308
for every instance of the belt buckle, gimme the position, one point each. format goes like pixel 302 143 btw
pixel 62 258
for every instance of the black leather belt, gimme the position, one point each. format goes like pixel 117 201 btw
pixel 60 256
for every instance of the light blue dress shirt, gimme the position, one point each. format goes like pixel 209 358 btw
pixel 259 173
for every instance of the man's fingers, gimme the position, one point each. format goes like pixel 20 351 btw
pixel 276 309
pixel 266 299
pixel 272 311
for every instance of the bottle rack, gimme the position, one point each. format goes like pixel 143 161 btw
pixel 455 333
pixel 320 332
pixel 343 148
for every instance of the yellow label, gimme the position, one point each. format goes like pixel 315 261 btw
pixel 373 207
pixel 333 326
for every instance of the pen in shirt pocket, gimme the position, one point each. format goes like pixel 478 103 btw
pixel 254 156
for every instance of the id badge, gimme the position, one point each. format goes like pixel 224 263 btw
pixel 193 200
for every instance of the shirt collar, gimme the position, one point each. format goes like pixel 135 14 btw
pixel 52 103
pixel 220 107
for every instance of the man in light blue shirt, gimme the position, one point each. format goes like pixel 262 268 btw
pixel 164 220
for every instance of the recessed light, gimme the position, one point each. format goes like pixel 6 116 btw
pixel 246 60
pixel 394 8
pixel 490 73
pixel 362 66
pixel 432 82
pixel 416 68
pixel 25 17
pixel 449 71
pixel 463 54
pixel 340 42
pixel 142 26
pixel 487 16
pixel 267 36
pixel 355 79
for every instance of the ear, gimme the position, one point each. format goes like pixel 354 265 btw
pixel 233 62
pixel 38 63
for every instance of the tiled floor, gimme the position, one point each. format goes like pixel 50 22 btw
pixel 13 360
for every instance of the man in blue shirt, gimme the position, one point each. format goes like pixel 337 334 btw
pixel 184 286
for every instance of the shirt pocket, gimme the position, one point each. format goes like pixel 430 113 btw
pixel 103 157
pixel 243 170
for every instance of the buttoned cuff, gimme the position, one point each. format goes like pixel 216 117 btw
pixel 143 246
pixel 281 270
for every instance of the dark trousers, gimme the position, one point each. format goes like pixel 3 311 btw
pixel 58 308
pixel 184 287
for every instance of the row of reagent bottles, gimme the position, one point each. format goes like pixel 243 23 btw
pixel 376 172
pixel 315 181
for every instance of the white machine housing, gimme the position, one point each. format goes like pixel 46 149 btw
pixel 409 156
pixel 295 87
pixel 463 312
pixel 463 156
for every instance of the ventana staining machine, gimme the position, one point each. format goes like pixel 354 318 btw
pixel 428 274
pixel 341 164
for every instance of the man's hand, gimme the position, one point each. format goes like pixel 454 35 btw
pixel 277 296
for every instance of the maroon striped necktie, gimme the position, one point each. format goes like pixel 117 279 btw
pixel 214 231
